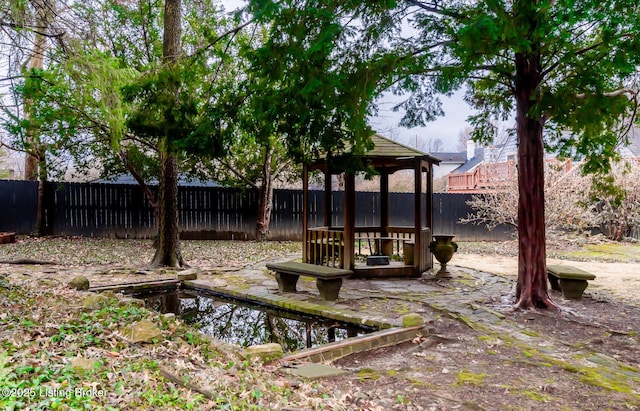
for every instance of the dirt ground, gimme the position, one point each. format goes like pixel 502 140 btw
pixel 583 357
pixel 620 279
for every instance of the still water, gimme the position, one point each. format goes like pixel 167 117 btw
pixel 243 323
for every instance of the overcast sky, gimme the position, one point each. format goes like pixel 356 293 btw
pixel 387 122
pixel 446 128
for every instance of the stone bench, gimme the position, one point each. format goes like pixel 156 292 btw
pixel 328 279
pixel 571 281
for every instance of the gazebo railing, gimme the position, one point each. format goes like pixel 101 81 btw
pixel 324 246
pixel 372 240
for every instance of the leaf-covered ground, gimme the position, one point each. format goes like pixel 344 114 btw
pixel 102 251
pixel 59 350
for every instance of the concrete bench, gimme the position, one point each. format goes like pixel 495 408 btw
pixel 571 281
pixel 328 279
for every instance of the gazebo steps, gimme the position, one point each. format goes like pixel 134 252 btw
pixel 394 269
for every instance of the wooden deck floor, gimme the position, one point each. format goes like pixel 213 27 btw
pixel 394 269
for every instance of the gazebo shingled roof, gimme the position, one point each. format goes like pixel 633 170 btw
pixel 386 153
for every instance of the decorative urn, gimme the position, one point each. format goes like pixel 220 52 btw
pixel 443 248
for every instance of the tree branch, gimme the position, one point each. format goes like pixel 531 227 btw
pixel 433 8
pixel 11 78
pixel 582 51
pixel 234 31
pixel 237 173
pixel 12 148
pixel 611 94
pixel 283 166
pixel 32 28
pixel 124 156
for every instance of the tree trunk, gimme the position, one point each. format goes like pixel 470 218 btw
pixel 30 165
pixel 168 251
pixel 171 44
pixel 531 290
pixel 42 180
pixel 266 199
pixel 42 11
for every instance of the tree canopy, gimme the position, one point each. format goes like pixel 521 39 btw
pixel 556 65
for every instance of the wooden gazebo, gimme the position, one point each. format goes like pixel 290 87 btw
pixel 393 251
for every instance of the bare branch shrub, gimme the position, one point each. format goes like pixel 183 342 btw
pixel 573 201
pixel 615 201
pixel 566 197
pixel 497 206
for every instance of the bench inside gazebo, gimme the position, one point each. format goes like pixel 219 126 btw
pixel 381 250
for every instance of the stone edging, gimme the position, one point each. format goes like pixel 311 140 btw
pixel 306 307
pixel 334 351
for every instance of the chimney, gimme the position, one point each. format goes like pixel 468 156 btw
pixel 471 149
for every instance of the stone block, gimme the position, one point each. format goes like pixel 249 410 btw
pixel 315 371
pixel 264 352
pixel 142 331
pixel 79 283
pixel 412 320
pixel 189 275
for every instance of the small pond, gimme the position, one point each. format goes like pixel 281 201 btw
pixel 245 323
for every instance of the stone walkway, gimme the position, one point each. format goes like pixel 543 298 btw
pixel 473 297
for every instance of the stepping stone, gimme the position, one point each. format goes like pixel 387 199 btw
pixel 313 371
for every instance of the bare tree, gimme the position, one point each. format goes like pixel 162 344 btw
pixel 428 145
pixel 464 135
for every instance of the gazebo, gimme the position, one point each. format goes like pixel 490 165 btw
pixel 393 251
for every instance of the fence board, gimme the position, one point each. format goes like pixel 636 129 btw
pixel 18 206
pixel 109 210
pixel 449 208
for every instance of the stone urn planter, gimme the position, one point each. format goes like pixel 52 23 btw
pixel 443 248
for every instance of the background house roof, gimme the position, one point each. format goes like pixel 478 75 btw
pixel 127 179
pixel 451 157
pixel 469 165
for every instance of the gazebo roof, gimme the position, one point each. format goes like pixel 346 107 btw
pixel 388 154
pixel 385 147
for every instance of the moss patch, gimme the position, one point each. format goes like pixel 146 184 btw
pixel 467 377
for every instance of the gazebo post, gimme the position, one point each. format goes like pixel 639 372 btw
pixel 429 207
pixel 386 246
pixel 349 220
pixel 305 212
pixel 417 254
pixel 328 189
pixel 384 202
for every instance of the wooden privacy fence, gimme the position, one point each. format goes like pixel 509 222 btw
pixel 109 210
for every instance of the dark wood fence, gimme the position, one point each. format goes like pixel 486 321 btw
pixel 107 210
